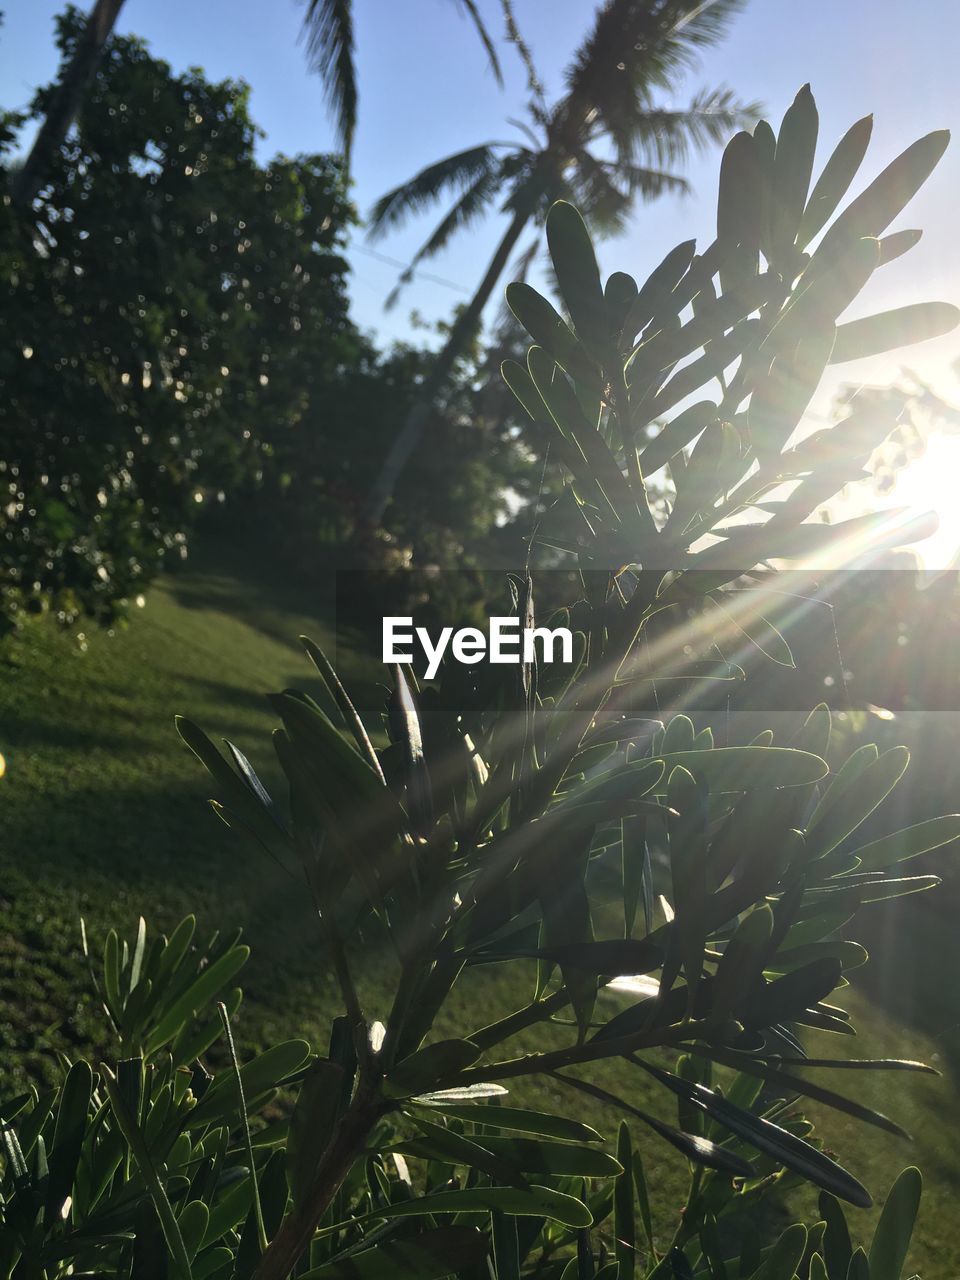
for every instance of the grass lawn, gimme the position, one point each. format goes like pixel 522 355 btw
pixel 103 816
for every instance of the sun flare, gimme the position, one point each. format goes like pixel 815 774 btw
pixel 932 483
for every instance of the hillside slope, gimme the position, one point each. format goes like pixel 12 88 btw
pixel 104 816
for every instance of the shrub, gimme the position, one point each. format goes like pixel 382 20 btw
pixel 171 307
pixel 477 836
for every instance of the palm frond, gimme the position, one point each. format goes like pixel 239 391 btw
pixel 634 48
pixel 474 14
pixel 524 260
pixel 666 137
pixel 454 173
pixel 605 191
pixel 328 32
pixel 538 97
pixel 472 204
pixel 650 183
pixel 706 23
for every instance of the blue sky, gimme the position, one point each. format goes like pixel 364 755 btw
pixel 426 90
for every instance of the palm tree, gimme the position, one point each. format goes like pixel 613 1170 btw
pixel 327 31
pixel 604 143
pixel 65 102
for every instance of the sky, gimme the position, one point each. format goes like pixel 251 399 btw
pixel 426 90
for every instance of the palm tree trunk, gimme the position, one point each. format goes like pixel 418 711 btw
pixel 66 101
pixel 461 331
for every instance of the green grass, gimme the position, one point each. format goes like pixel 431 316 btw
pixel 104 816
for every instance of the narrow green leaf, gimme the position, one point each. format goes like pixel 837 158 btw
pixel 192 1221
pixel 311 1124
pixel 624 1222
pixel 687 836
pixel 758 630
pixel 891 1239
pixel 899 846
pixel 896 245
pixel 68 1136
pixel 676 435
pixel 781 1145
pixel 838 815
pixel 578 276
pixel 859 1267
pixel 552 1159
pixel 877 206
pixel 740 204
pixel 404 719
pixel 833 184
pixel 619 293
pixel 533 1201
pixel 417 1072
pixel 141 1153
pixel 837 1249
pixel 792 993
pixel 726 769
pixel 549 330
pixel 699 1150
pixel 506 1246
pixel 656 289
pixel 740 967
pixel 888 330
pixel 643 1200
pixel 198 995
pixel 818 1268
pixel 771 1073
pixel 349 712
pixel 516 1120
pixel 450 1147
pixel 814 734
pixel 792 171
pixel 783 1260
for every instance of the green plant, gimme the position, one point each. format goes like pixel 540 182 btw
pixel 210 366
pixel 328 30
pixel 479 836
pixel 162 260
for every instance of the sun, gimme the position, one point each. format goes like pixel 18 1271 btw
pixel 932 483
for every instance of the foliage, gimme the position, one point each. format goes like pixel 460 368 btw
pixel 475 838
pixel 178 337
pixel 172 305
pixel 449 506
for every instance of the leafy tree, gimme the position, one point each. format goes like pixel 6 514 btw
pixel 328 29
pixel 479 835
pixel 605 142
pixel 172 307
pixel 450 505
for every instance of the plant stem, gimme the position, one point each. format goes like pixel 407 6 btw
pixel 348 990
pixel 297 1229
